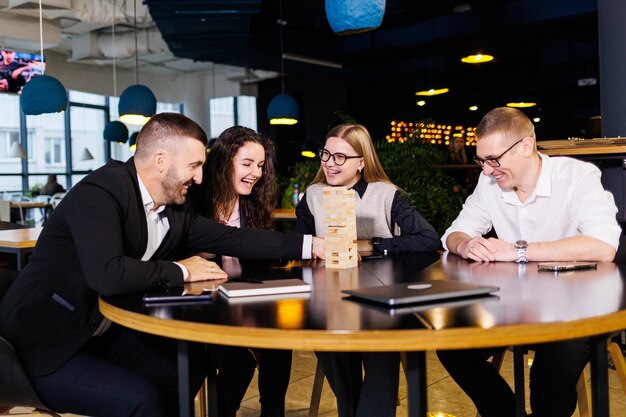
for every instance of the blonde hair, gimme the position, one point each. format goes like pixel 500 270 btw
pixel 360 140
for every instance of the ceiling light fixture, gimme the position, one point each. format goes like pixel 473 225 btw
pixel 347 17
pixel 477 59
pixel 421 103
pixel 115 131
pixel 43 94
pixel 283 109
pixel 137 103
pixel 521 104
pixel 473 108
pixel 132 142
pixel 314 61
pixel 307 152
pixel 432 92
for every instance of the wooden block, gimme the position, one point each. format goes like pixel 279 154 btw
pixel 340 220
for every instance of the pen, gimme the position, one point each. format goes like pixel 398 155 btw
pixel 250 280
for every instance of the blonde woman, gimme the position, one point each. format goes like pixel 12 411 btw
pixel 386 223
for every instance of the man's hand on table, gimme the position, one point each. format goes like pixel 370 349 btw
pixel 201 269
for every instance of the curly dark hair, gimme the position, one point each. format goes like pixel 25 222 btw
pixel 214 195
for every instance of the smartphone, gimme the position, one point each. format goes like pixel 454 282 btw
pixel 174 295
pixel 566 266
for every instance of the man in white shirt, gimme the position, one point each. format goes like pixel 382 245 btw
pixel 540 209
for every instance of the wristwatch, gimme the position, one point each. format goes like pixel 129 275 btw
pixel 521 246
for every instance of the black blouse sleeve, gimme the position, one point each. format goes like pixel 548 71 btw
pixel 305 222
pixel 416 234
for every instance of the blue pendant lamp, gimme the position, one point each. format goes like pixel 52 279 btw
pixel 137 103
pixel 43 94
pixel 115 131
pixel 347 17
pixel 283 109
pixel 132 142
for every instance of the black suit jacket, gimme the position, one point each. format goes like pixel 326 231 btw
pixel 92 245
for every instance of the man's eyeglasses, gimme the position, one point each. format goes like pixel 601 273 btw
pixel 339 158
pixel 494 162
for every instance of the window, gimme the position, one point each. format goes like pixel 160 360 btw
pixel 7 139
pixel 55 151
pixel 230 111
pixel 49 141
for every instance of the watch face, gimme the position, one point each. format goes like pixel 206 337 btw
pixel 521 244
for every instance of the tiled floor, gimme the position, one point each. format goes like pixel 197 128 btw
pixel 444 396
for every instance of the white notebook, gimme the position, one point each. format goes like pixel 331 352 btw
pixel 275 286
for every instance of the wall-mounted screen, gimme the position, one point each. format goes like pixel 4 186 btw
pixel 18 68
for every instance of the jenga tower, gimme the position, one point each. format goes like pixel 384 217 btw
pixel 340 220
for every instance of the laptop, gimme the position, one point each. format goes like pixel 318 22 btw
pixel 420 292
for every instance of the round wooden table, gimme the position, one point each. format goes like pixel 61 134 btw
pixel 531 307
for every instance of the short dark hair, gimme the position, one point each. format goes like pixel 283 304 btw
pixel 162 129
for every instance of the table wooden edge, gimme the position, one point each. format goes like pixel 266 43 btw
pixel 365 340
pixel 20 238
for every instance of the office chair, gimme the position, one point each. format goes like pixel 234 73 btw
pixel 56 199
pixel 582 389
pixel 15 387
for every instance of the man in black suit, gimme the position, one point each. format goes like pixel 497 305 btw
pixel 123 229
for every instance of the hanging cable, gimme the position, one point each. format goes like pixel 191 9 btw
pixel 281 24
pixel 41 30
pixel 136 48
pixel 114 52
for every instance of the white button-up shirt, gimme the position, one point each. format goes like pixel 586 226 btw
pixel 568 200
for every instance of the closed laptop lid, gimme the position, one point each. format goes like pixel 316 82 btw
pixel 420 291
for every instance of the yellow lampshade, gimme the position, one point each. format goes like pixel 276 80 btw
pixel 521 104
pixel 134 119
pixel 477 59
pixel 432 92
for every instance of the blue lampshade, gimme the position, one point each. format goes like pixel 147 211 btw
pixel 43 94
pixel 115 131
pixel 132 141
pixel 137 105
pixel 283 110
pixel 354 16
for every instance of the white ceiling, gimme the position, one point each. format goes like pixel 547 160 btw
pixel 83 31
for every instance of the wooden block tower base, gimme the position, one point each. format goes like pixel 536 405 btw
pixel 340 220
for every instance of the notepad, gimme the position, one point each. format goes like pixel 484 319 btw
pixel 276 286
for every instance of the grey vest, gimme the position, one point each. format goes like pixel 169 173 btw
pixel 373 211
